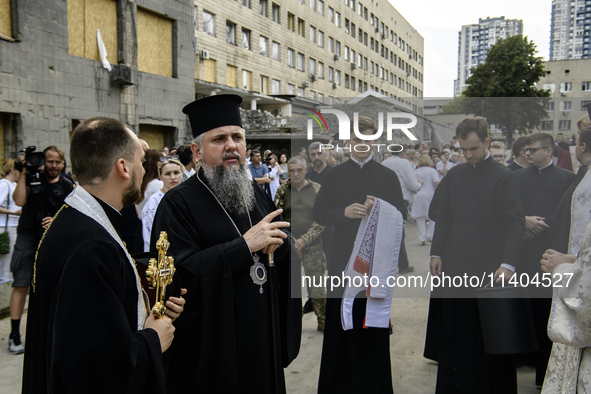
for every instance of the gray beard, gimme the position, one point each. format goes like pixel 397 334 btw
pixel 233 188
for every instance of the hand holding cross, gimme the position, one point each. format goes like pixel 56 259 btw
pixel 160 273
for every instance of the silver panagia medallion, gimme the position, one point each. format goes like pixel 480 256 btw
pixel 258 273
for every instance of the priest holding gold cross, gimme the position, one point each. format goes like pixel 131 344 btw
pixel 90 329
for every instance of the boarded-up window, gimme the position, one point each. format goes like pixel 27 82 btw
pixel 9 142
pixel 154 43
pixel 232 76
pixel 5 18
pixel 209 70
pixel 157 136
pixel 84 18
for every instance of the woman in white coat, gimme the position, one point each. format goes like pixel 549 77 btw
pixel 420 206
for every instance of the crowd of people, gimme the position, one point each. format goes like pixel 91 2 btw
pixel 241 220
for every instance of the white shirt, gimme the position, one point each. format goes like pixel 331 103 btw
pixel 361 164
pixel 153 186
pixel 406 175
pixel 148 213
pixel 6 191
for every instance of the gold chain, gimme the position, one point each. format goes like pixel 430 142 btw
pixel 34 282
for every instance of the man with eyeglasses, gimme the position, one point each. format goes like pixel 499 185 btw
pixel 497 151
pixel 479 231
pixel 518 161
pixel 542 185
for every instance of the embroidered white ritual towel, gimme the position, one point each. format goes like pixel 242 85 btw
pixel 580 213
pixel 375 255
pixel 85 203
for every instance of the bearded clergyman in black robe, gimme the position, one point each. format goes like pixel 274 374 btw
pixel 542 186
pixel 355 360
pixel 480 227
pixel 89 329
pixel 221 226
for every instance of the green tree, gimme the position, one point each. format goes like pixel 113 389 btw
pixel 503 89
pixel 455 106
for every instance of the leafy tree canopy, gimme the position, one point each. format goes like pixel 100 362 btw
pixel 503 89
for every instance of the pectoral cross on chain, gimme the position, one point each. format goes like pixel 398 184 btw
pixel 160 273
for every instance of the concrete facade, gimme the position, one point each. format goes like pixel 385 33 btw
pixel 570 84
pixel 570 34
pixel 318 53
pixel 474 42
pixel 45 91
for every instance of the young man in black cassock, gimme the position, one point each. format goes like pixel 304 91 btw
pixel 479 231
pixel 356 360
pixel 542 185
pixel 89 329
pixel 221 226
pixel 519 161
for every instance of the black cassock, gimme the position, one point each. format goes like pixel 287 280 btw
pixel 82 334
pixel 559 236
pixel 541 191
pixel 357 360
pixel 223 338
pixel 480 225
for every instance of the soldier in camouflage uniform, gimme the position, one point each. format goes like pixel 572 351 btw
pixel 305 230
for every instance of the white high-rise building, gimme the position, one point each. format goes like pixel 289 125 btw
pixel 570 34
pixel 475 40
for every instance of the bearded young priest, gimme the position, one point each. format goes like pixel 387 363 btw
pixel 221 227
pixel 89 329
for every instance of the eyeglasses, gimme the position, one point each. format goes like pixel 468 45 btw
pixel 533 150
pixel 167 158
pixel 498 157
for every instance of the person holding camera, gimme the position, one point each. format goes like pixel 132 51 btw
pixel 41 193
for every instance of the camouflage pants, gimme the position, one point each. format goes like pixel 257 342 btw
pixel 315 268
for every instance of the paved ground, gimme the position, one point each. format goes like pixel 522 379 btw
pixel 411 372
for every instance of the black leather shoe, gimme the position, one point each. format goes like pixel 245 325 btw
pixel 308 306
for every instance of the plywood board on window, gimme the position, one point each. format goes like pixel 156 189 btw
pixel 5 18
pixel 154 43
pixel 153 135
pixel 102 15
pixel 76 27
pixel 232 76
pixel 209 69
pixel 84 18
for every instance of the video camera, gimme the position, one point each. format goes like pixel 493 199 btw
pixel 33 160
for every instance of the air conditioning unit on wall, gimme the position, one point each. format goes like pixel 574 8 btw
pixel 204 54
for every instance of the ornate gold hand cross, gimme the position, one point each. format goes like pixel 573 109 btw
pixel 160 273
